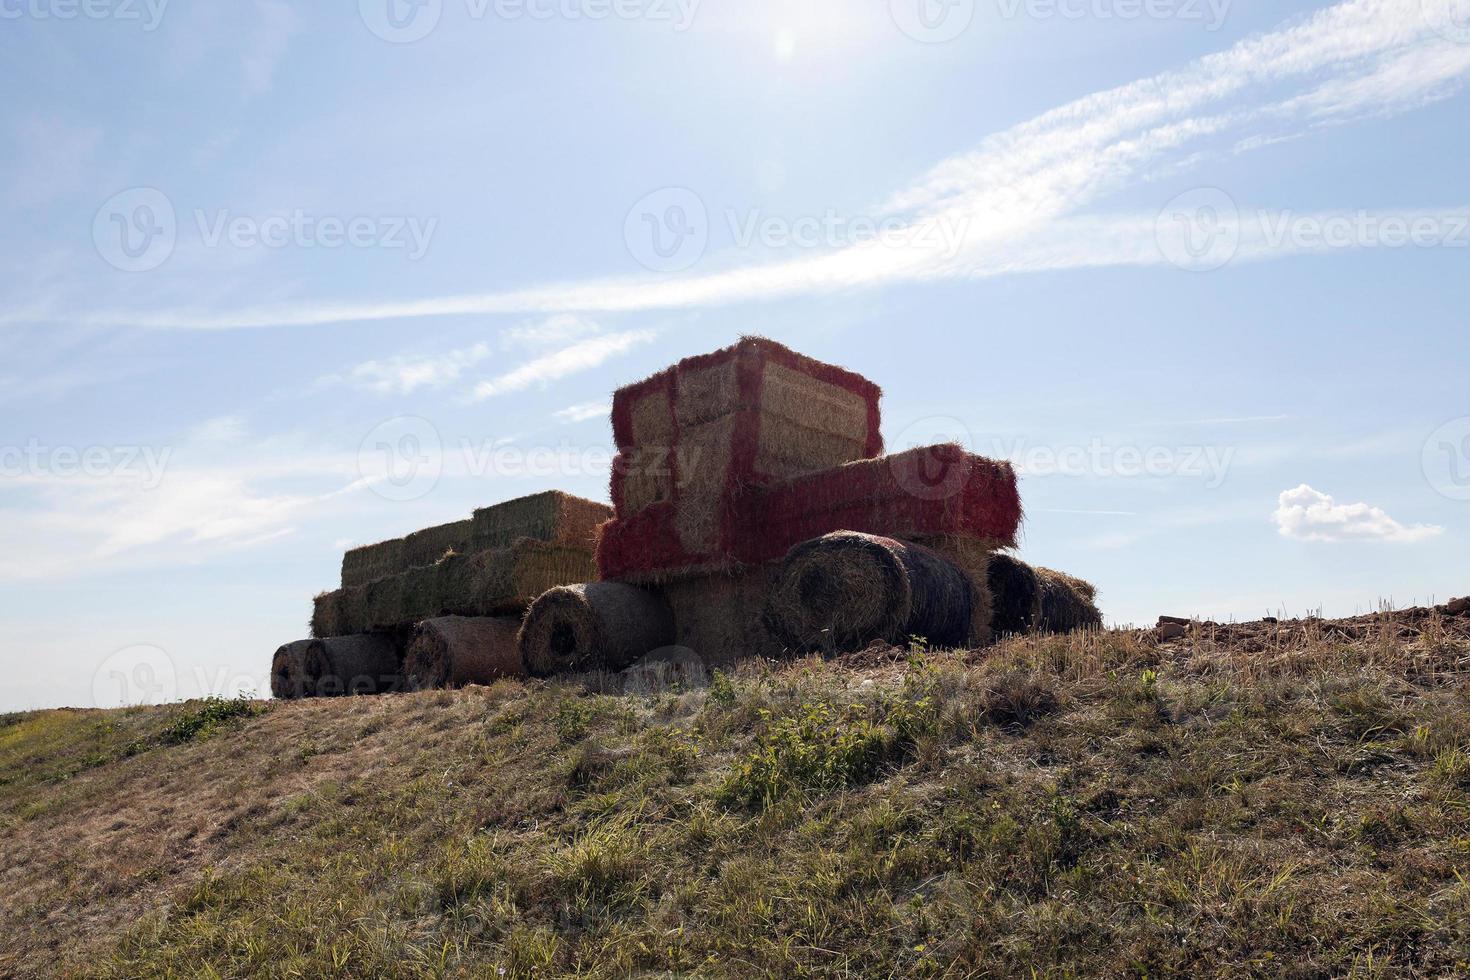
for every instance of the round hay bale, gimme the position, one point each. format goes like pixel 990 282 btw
pixel 288 672
pixel 1068 604
pixel 452 651
pixel 368 663
pixel 1015 596
pixel 597 626
pixel 842 591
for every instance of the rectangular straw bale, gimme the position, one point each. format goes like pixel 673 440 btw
pixel 643 413
pixel 719 616
pixel 370 562
pixel 361 565
pixel 326 615
pixel 757 374
pixel 931 492
pixel 431 544
pixel 641 477
pixel 939 491
pixel 487 583
pixel 552 516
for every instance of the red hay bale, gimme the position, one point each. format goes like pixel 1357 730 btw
pixel 935 492
pixel 748 415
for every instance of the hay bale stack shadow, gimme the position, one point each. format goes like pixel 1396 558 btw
pixel 453 651
pixel 840 592
pixel 369 663
pixel 1068 604
pixel 596 626
pixel 1015 596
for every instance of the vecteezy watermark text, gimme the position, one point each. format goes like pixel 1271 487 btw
pixel 1098 458
pixel 144 464
pixel 147 13
pixel 138 229
pixel 669 231
pixel 1203 229
pixel 1210 13
pixel 407 21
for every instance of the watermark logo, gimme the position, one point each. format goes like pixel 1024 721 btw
pixel 401 21
pixel 1210 13
pixel 1446 459
pixel 923 461
pixel 136 230
pixel 1449 18
pixel 932 21
pixel 1210 464
pixel 147 12
pixel 1199 230
pixel 402 459
pixel 1362 229
pixel 668 230
pixel 136 675
pixel 407 21
pixel 664 670
pixel 143 465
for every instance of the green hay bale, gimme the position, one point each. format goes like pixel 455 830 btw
pixel 554 517
pixel 488 583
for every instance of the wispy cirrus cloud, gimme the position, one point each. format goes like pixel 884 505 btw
pixel 1307 514
pixel 1019 195
pixel 581 356
pixel 405 374
pixel 582 412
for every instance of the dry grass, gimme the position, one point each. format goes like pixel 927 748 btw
pixel 1092 805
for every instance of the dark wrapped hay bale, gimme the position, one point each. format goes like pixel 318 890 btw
pixel 453 651
pixel 597 626
pixel 288 672
pixel 1015 596
pixel 1067 604
pixel 368 663
pixel 972 556
pixel 842 591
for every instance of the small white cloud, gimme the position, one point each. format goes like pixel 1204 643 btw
pixel 563 328
pixel 403 375
pixel 1311 515
pixel 582 412
pixel 558 364
pixel 222 430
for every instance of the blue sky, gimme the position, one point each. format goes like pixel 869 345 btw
pixel 1199 268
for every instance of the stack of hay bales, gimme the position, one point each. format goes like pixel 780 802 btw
pixel 694 439
pixel 730 460
pixel 450 598
pixel 496 563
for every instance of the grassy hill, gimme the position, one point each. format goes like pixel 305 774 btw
pixel 1281 799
